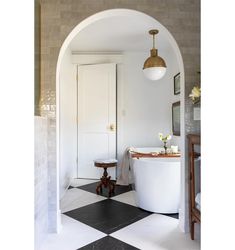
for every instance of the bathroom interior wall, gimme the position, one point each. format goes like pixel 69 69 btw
pixel 174 68
pixel 143 108
pixel 68 125
pixel 146 109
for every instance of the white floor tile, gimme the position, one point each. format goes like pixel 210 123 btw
pixel 81 182
pixel 156 232
pixel 75 198
pixel 128 198
pixel 73 235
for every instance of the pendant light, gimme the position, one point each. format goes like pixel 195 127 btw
pixel 154 67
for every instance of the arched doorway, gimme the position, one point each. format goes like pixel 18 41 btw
pixel 127 13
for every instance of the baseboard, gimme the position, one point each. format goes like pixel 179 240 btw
pixel 181 221
pixel 59 225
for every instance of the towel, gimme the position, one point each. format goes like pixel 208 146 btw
pixel 123 178
pixel 198 201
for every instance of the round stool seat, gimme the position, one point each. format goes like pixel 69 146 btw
pixel 106 163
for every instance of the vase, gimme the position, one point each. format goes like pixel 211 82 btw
pixel 165 147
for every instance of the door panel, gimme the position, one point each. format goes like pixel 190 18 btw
pixel 96 113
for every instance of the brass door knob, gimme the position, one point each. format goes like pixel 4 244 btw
pixel 112 127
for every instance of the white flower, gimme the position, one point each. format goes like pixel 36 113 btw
pixel 195 94
pixel 168 137
pixel 196 91
pixel 164 139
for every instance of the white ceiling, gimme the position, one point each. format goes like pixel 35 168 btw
pixel 119 34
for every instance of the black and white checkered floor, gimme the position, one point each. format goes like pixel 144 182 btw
pixel 92 221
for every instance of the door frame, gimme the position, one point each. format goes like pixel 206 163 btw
pixel 93 59
pixel 183 215
pixel 101 58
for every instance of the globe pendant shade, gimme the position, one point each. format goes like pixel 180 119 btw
pixel 154 73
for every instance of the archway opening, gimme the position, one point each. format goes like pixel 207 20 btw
pixel 98 22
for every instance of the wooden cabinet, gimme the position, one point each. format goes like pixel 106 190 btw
pixel 194 148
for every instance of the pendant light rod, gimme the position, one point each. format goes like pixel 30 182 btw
pixel 153 33
pixel 153 41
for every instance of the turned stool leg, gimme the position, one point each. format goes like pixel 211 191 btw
pixel 110 188
pixel 105 174
pixel 113 186
pixel 99 187
pixel 192 230
pixel 103 181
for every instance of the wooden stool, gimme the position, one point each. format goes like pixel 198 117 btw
pixel 105 179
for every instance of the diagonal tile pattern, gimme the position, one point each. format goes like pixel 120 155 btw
pixel 118 189
pixel 92 221
pixel 73 235
pixel 81 182
pixel 108 243
pixel 76 198
pixel 156 232
pixel 108 215
pixel 129 198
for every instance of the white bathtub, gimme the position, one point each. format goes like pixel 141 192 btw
pixel 157 182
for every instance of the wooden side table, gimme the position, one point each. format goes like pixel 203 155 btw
pixel 154 155
pixel 194 212
pixel 105 179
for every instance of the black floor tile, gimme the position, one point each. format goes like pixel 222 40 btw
pixel 118 189
pixel 108 215
pixel 176 216
pixel 70 187
pixel 108 243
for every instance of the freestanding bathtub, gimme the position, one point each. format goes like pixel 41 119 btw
pixel 157 182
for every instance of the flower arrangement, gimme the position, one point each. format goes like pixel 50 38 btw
pixel 164 139
pixel 195 94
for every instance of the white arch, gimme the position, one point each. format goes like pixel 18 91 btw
pixel 126 12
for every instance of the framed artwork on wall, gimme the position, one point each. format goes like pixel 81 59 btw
pixel 176 118
pixel 177 84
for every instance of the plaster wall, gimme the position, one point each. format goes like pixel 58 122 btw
pixel 175 98
pixel 146 108
pixel 68 122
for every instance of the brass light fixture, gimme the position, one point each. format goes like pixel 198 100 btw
pixel 154 67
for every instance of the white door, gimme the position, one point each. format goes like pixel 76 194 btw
pixel 96 118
